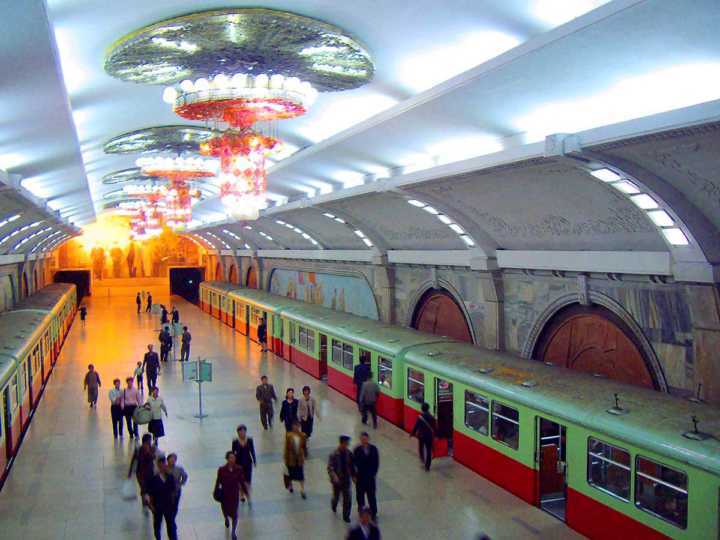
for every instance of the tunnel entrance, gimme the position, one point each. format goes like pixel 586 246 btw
pixel 185 282
pixel 81 279
pixel 438 313
pixel 595 340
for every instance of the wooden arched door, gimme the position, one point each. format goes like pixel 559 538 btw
pixel 218 272
pixel 595 340
pixel 438 313
pixel 232 274
pixel 251 281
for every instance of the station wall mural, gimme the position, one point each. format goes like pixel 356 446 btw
pixel 339 292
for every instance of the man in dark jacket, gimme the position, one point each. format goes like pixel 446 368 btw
pixel 340 469
pixel 365 529
pixel 175 315
pixel 151 363
pixel 161 493
pixel 262 335
pixel 138 302
pixel 163 314
pixel 360 375
pixel 265 395
pixel 149 303
pixel 185 346
pixel 366 460
pixel 425 429
pixel 165 343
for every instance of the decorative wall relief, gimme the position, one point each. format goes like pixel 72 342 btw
pixel 339 292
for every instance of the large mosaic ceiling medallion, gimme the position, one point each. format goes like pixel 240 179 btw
pixel 173 139
pixel 241 40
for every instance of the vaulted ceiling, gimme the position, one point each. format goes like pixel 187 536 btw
pixel 444 150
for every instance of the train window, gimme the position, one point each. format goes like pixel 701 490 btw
pixel 477 411
pixel 347 356
pixel 661 491
pixel 505 424
pixel 608 468
pixel 14 396
pixel 310 340
pixel 302 337
pixel 415 385
pixel 336 352
pixel 365 356
pixel 385 372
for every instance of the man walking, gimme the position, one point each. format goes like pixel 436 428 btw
pixel 149 303
pixel 175 315
pixel 340 469
pixel 152 367
pixel 180 476
pixel 366 460
pixel 361 373
pixel 138 302
pixel 265 395
pixel 165 343
pixel 368 398
pixel 116 414
pixel 365 529
pixel 185 345
pixel 161 499
pixel 262 335
pixel 425 429
pixel 130 400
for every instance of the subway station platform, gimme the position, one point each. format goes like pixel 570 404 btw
pixel 65 483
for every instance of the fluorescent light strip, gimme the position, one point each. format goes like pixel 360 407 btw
pixel 446 220
pixel 225 244
pixel 231 234
pixel 21 229
pixel 44 241
pixel 247 246
pixel 9 219
pixel 358 232
pixel 673 235
pixel 28 238
pixel 297 230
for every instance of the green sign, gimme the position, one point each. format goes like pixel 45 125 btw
pixel 198 371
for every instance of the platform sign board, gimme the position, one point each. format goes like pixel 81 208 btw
pixel 190 371
pixel 199 371
pixel 206 371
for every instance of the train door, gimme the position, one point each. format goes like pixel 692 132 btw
pixel 323 357
pixel 550 455
pixel 7 418
pixel 444 413
pixel 291 329
pixel 232 311
pixel 31 362
pixel 247 320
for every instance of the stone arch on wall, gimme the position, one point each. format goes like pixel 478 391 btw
pixel 440 310
pixel 251 279
pixel 233 274
pixel 219 274
pixel 25 285
pixel 597 337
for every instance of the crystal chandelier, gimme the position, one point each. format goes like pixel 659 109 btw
pixel 241 100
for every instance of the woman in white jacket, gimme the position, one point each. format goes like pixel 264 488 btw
pixel 157 407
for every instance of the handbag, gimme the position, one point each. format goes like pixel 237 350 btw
pixel 142 415
pixel 127 490
pixel 218 493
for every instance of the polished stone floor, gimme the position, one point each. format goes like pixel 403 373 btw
pixel 66 481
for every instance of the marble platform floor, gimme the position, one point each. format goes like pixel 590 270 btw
pixel 66 481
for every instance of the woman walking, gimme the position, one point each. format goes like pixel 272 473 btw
pixel 307 411
pixel 91 384
pixel 228 485
pixel 157 407
pixel 294 455
pixel 144 457
pixel 244 449
pixel 289 409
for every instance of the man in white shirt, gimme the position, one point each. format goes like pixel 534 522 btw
pixel 116 413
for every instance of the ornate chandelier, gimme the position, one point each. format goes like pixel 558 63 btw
pixel 177 168
pixel 241 100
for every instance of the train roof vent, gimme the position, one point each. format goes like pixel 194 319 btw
pixel 617 410
pixel 485 370
pixel 529 384
pixel 695 434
